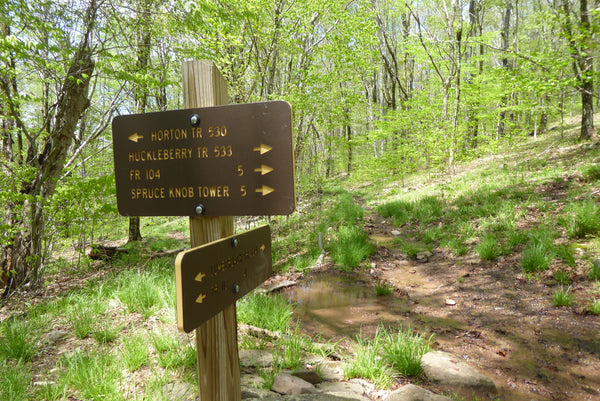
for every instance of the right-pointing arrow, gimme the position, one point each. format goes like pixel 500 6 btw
pixel 263 169
pixel 262 148
pixel 265 190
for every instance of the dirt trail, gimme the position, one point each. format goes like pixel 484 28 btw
pixel 486 313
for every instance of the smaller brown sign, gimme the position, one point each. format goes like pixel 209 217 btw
pixel 213 276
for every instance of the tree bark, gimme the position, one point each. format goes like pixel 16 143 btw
pixel 22 259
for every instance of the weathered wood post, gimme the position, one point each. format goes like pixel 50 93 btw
pixel 216 340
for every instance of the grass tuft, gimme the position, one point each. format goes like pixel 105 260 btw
pixel 535 258
pixel 351 247
pixel 404 350
pixel 489 248
pixel 369 364
pixel 271 312
pixel 17 341
pixel 562 297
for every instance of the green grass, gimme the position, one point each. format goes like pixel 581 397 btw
pixel 581 219
pixel 535 258
pixel 404 349
pixel 489 248
pixel 105 331
pixel 562 277
pixel 141 292
pixel 594 307
pixel 271 312
pixel 134 351
pixel 383 289
pixel 14 382
pixel 93 375
pixel 594 273
pixel 18 340
pixel 367 363
pixel 562 297
pixel 171 352
pixel 351 248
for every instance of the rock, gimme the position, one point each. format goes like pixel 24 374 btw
pixel 252 381
pixel 256 358
pixel 281 285
pixel 180 392
pixel 450 302
pixel 307 375
pixel 410 392
pixel 396 233
pixel 331 370
pixel 446 369
pixel 351 390
pixel 292 385
pixel 423 257
pixel 55 336
pixel 249 393
pixel 308 397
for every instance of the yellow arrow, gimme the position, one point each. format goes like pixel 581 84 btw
pixel 134 137
pixel 265 190
pixel 263 247
pixel 263 169
pixel 200 298
pixel 262 149
pixel 200 276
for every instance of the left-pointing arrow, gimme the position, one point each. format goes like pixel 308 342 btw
pixel 200 298
pixel 134 137
pixel 264 190
pixel 200 276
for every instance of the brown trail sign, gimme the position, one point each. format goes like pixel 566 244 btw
pixel 233 160
pixel 213 276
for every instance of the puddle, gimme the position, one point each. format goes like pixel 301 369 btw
pixel 335 304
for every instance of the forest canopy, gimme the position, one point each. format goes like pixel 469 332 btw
pixel 388 87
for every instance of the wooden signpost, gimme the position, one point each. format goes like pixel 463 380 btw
pixel 210 163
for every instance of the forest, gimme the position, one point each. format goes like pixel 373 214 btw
pixel 378 88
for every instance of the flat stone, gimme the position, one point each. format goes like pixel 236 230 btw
pixel 252 393
pixel 281 285
pixel 255 381
pixel 396 233
pixel 256 358
pixel 446 369
pixel 308 397
pixel 410 392
pixel 179 392
pixel 55 336
pixel 307 375
pixel 331 370
pixel 291 385
pixel 352 390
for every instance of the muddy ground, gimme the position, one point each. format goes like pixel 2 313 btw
pixel 485 312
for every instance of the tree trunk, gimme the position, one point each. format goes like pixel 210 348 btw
pixel 22 259
pixel 586 67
